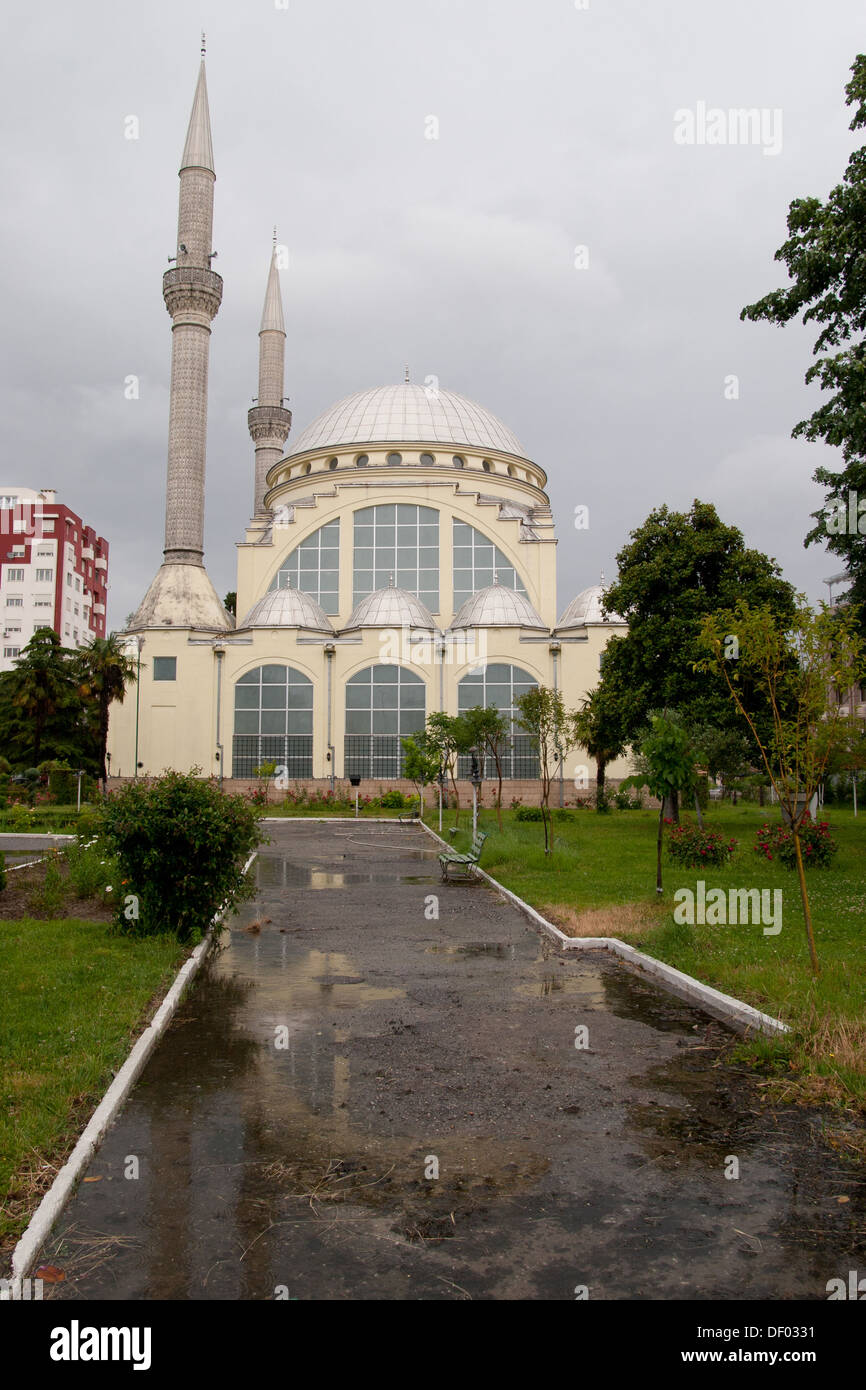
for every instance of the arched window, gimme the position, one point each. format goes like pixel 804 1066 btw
pixel 500 685
pixel 398 540
pixel 314 567
pixel 273 721
pixel 476 560
pixel 384 704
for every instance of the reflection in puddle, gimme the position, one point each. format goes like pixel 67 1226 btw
pixel 274 872
pixel 588 984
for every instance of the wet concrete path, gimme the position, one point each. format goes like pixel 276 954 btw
pixel 305 1169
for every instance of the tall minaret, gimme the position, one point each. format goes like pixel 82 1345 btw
pixel 269 421
pixel 182 595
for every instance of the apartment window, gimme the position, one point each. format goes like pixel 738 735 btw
pixel 69 580
pixel 43 603
pixel 18 552
pixel 78 583
pixel 165 668
pixel 14 603
pixel 46 553
pixel 48 525
pixel 66 630
pixel 11 651
pixel 44 576
pixel 15 576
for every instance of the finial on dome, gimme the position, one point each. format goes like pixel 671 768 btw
pixel 203 44
pixel 406 376
pixel 275 236
pixel 390 581
pixel 496 576
pixel 601 579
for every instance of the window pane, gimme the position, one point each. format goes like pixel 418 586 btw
pixel 357 721
pixel 246 723
pixel 273 697
pixel 273 722
pixel 272 675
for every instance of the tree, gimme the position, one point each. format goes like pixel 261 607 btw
pixel 677 568
pixel 795 666
pixel 447 738
pixel 598 728
pixel 670 769
pixel 420 762
pixel 543 716
pixel 42 714
pixel 488 730
pixel 104 671
pixel 825 257
pixel 230 603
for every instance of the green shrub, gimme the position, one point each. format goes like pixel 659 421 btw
pixel 816 844
pixel 693 847
pixel 393 801
pixel 180 845
pixel 528 813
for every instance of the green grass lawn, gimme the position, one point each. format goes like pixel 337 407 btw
pixel 599 880
pixel 74 998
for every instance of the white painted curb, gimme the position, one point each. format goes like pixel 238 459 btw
pixel 55 1199
pixel 734 1012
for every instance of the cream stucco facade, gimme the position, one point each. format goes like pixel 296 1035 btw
pixel 400 559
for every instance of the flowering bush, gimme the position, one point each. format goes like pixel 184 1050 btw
pixel 816 843
pixel 692 846
pixel 180 845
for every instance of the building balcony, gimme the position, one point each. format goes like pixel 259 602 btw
pixel 99 608
pixel 87 552
pixel 101 563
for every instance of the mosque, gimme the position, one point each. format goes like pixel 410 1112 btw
pixel 400 558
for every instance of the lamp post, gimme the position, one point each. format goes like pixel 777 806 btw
pixel 330 649
pixel 355 782
pixel 219 652
pixel 441 780
pixel 137 701
pixel 475 777
pixel 555 650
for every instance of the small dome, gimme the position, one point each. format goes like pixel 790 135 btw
pixel 407 413
pixel 287 608
pixel 390 608
pixel 497 606
pixel 587 609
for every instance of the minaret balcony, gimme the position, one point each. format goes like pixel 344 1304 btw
pixel 269 422
pixel 191 287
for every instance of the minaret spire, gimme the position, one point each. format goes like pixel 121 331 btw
pixel 182 595
pixel 269 421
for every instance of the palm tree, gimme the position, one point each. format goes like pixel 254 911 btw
pixel 39 702
pixel 104 671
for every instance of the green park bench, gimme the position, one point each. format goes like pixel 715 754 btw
pixel 465 862
pixel 410 817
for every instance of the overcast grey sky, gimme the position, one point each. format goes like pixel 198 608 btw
pixel 456 255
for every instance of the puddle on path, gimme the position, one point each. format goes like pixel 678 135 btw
pixel 288 1124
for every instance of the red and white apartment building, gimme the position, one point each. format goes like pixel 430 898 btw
pixel 53 572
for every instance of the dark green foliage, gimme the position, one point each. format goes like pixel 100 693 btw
pixel 528 813
pixel 676 568
pixel 181 845
pixel 825 256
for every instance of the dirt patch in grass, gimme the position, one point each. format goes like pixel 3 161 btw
pixel 19 899
pixel 623 920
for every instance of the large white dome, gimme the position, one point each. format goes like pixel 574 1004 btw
pixel 287 608
pixel 407 413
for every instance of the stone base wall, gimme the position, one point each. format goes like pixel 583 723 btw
pixel 528 791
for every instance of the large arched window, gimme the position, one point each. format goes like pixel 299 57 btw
pixel 273 721
pixel 384 704
pixel 314 567
pixel 500 685
pixel 476 560
pixel 397 540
